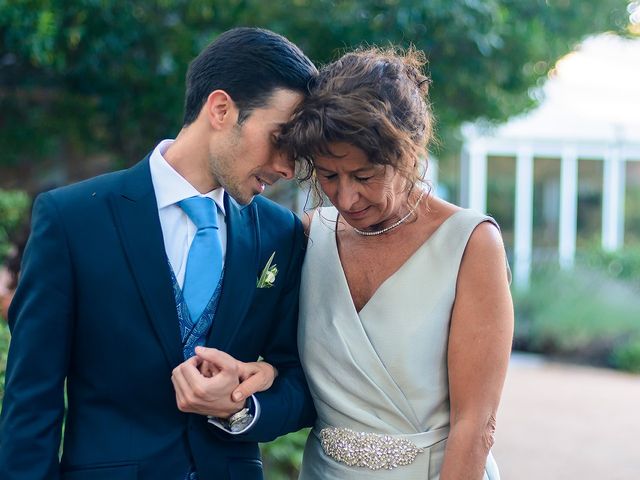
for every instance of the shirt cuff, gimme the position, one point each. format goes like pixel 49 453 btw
pixel 254 409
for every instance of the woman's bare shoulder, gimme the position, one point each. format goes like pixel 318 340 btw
pixel 439 210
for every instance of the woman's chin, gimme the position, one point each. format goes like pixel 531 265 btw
pixel 357 218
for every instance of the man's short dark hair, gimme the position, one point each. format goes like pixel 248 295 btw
pixel 248 64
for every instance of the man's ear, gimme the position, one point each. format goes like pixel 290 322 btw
pixel 220 110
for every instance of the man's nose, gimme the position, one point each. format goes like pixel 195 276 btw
pixel 284 165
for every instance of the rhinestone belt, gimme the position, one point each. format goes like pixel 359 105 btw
pixel 370 450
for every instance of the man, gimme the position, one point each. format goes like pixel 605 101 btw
pixel 126 274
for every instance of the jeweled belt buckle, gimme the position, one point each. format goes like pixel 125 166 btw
pixel 370 450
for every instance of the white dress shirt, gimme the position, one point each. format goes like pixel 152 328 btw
pixel 178 231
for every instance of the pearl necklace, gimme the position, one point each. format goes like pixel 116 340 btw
pixel 366 233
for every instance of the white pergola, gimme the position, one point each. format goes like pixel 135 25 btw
pixel 591 110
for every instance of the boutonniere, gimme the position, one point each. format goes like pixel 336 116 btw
pixel 268 275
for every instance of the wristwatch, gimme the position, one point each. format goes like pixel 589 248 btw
pixel 239 420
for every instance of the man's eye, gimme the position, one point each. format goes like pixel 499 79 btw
pixel 363 179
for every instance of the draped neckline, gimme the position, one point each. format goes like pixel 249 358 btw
pixel 390 279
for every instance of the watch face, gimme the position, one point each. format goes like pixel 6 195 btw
pixel 241 423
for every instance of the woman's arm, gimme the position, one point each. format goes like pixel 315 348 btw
pixel 478 353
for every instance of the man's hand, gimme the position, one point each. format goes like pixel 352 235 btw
pixel 216 384
pixel 255 377
pixel 208 395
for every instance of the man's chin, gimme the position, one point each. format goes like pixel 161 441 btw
pixel 242 198
pixel 244 202
pixel 244 193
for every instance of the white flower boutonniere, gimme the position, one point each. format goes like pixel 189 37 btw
pixel 268 275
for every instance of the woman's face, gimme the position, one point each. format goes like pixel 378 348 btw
pixel 368 196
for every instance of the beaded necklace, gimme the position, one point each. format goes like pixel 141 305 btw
pixel 367 233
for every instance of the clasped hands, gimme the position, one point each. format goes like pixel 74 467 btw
pixel 214 383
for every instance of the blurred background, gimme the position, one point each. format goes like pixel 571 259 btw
pixel 538 124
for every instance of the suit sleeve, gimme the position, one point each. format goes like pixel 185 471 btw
pixel 287 406
pixel 40 320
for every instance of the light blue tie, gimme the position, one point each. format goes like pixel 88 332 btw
pixel 204 263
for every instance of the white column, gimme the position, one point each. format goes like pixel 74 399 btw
pixel 523 217
pixel 568 207
pixel 477 181
pixel 613 200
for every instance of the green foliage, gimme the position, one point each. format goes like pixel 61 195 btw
pixel 622 264
pixel 13 209
pixel 85 75
pixel 282 457
pixel 632 210
pixel 584 315
pixel 109 66
pixel 14 206
pixel 627 356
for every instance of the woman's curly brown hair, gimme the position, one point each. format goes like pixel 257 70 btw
pixel 374 99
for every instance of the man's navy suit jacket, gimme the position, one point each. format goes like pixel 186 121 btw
pixel 95 308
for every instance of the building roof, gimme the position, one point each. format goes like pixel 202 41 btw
pixel 592 96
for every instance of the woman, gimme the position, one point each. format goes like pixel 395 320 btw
pixel 406 318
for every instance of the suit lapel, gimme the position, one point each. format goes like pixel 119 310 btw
pixel 136 216
pixel 240 268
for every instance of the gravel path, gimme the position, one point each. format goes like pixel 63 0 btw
pixel 565 422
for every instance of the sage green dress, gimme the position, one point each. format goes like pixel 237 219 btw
pixel 384 369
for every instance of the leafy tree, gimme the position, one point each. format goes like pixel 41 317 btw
pixel 107 76
pixel 14 206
